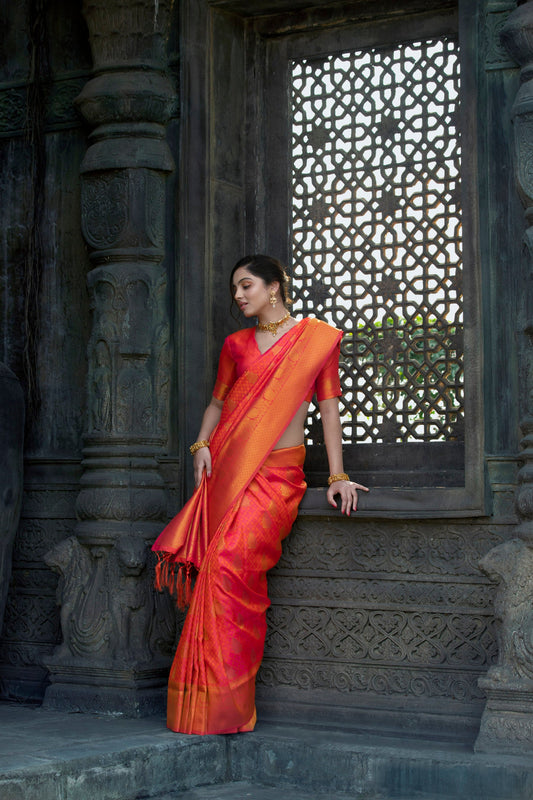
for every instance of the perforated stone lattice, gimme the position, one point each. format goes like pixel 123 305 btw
pixel 376 232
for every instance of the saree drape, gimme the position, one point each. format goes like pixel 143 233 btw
pixel 230 531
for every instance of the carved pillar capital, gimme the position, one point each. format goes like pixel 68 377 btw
pixel 128 32
pixel 113 653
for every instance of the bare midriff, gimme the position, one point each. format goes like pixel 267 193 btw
pixel 293 435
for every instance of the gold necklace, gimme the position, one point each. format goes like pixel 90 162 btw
pixel 273 326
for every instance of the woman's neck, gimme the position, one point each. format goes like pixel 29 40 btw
pixel 272 315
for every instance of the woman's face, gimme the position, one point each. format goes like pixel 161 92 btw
pixel 251 293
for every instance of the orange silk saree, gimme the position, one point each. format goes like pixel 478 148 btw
pixel 230 532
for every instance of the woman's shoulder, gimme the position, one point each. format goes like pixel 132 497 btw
pixel 239 338
pixel 323 327
pixel 241 335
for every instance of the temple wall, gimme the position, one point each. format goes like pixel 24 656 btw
pixel 377 622
pixel 371 617
pixel 58 265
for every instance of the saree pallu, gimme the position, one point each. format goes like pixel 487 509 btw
pixel 212 682
pixel 230 532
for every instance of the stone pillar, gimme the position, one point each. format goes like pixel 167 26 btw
pixel 507 722
pixel 116 631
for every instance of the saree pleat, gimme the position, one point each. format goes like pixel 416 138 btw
pixel 212 681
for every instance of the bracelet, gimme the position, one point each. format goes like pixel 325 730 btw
pixel 198 446
pixel 341 476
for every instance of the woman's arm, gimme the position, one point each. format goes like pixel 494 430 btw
pixel 202 457
pixel 331 423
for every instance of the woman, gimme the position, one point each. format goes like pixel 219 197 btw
pixel 249 482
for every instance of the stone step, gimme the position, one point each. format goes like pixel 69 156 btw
pixel 47 755
pixel 251 791
pixel 368 766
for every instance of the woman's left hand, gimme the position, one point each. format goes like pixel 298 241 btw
pixel 348 492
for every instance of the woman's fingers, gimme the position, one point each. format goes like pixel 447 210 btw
pixel 202 460
pixel 197 477
pixel 348 492
pixel 330 494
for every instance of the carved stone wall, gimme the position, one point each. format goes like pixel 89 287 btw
pixel 378 620
pixel 116 630
pixel 507 722
pixel 53 433
pixel 54 445
pixel 371 620
pixel 31 628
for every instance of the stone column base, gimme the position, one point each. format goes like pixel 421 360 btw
pixel 131 692
pixel 507 721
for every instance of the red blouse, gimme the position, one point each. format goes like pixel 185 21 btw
pixel 240 350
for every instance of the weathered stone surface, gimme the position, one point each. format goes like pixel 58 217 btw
pixel 11 447
pixel 31 622
pixel 113 626
pixel 382 619
pixel 507 721
pixel 109 757
pixel 91 756
pixel 389 613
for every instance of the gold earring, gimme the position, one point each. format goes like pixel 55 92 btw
pixel 273 300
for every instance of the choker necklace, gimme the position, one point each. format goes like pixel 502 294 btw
pixel 273 326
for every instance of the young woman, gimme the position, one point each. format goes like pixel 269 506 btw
pixel 249 481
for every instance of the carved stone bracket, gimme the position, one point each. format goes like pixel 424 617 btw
pixel 507 722
pixel 114 655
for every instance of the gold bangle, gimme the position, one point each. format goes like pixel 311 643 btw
pixel 198 446
pixel 341 476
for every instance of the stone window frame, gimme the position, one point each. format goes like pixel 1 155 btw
pixel 394 470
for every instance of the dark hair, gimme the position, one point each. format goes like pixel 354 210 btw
pixel 267 268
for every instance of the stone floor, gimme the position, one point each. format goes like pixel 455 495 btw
pixel 48 755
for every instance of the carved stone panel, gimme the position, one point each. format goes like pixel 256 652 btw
pixel 32 624
pixel 387 615
pixel 108 607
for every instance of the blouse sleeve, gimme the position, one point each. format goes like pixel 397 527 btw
pixel 328 383
pixel 226 372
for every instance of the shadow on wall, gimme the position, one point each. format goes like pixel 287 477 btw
pixel 11 470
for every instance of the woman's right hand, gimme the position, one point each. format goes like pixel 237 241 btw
pixel 201 460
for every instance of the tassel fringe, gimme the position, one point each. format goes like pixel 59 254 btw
pixel 176 578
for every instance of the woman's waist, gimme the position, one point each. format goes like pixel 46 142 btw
pixel 293 456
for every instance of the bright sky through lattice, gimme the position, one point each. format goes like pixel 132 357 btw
pixel 376 221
